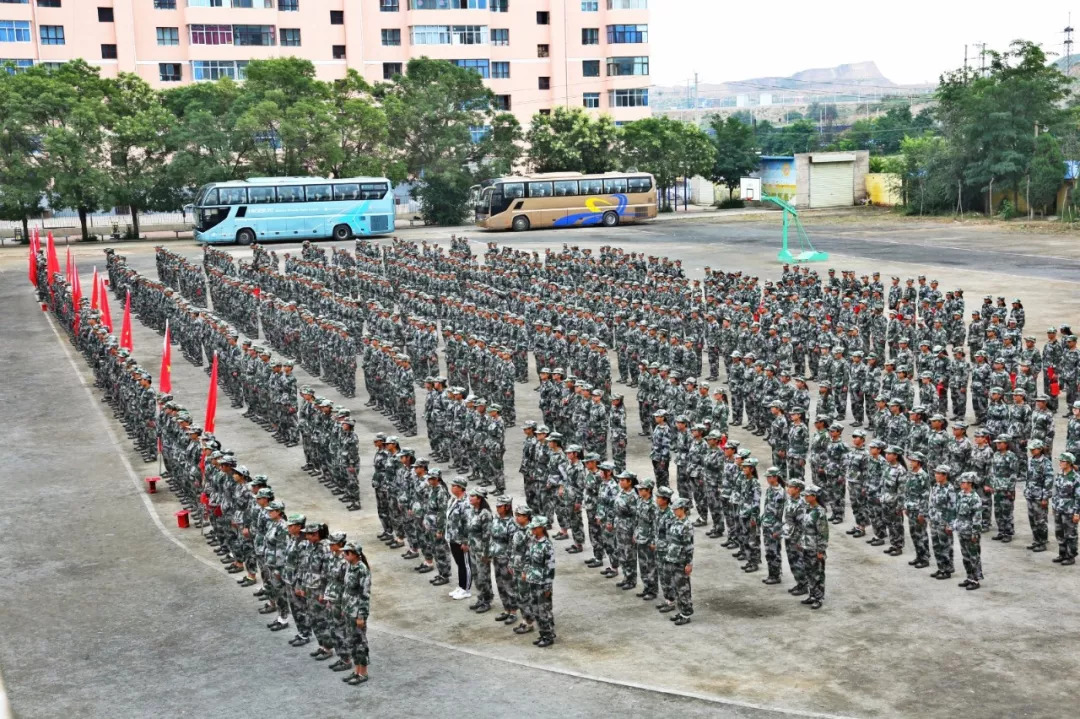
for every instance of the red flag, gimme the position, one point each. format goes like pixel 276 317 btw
pixel 33 263
pixel 125 328
pixel 165 376
pixel 211 399
pixel 52 264
pixel 76 287
pixel 67 264
pixel 94 295
pixel 103 298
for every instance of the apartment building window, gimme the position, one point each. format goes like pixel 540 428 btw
pixel 480 67
pixel 389 69
pixel 52 34
pixel 591 100
pixel 108 51
pixel 500 36
pixel 105 14
pixel 479 132
pixel 391 37
pixel 48 3
pixel 448 34
pixel 254 35
pixel 448 4
pixel 617 66
pixel 337 17
pixel 500 70
pixel 500 5
pixel 590 68
pixel 627 4
pixel 170 72
pixel 162 4
pixel 168 36
pixel 289 5
pixel 629 98
pixel 545 111
pixel 590 5
pixel 543 17
pixel 544 83
pixel 590 36
pixel 206 3
pixel 15 66
pixel 290 37
pixel 502 103
pixel 252 3
pixel 628 33
pixel 339 52
pixel 210 34
pixel 14 31
pixel 543 51
pixel 217 69
pixel 14 2
pixel 389 5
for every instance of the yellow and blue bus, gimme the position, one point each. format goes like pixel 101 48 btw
pixel 259 209
pixel 565 199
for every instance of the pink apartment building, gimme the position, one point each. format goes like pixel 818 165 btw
pixel 533 54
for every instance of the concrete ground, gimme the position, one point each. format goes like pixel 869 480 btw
pixel 113 611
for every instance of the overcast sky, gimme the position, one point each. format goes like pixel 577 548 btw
pixel 911 41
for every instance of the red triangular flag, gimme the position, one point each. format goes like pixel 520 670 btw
pixel 125 328
pixel 51 263
pixel 94 294
pixel 33 263
pixel 211 399
pixel 67 264
pixel 76 288
pixel 165 376
pixel 103 298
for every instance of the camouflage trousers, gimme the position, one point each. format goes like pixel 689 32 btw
pixel 959 400
pixel 858 405
pixel 277 593
pixel 1003 510
pixel 550 506
pixel 987 506
pixel 660 471
pixel 732 517
pixel 541 597
pixel 894 521
pixel 716 505
pixel 359 652
pixel 504 582
pixel 840 394
pixel 876 514
pixel 943 547
pixel 665 573
pixel 815 574
pixel 610 540
pixel 795 562
pixel 523 593
pixel 534 492
pixel 680 584
pixel 684 485
pixel 382 508
pixel 750 539
pixel 714 361
pixel 440 552
pixel 796 467
pixel 837 489
pixel 920 540
pixel 979 403
pixel 701 497
pixel 480 569
pixel 859 507
pixel 627 556
pixel 325 625
pixel 773 556
pixel 1037 519
pixel 596 534
pixel 736 416
pixel 299 608
pixel 646 556
pixel 971 553
pixel 618 450
pixel 1065 534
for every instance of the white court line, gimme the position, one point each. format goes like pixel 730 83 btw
pixel 390 632
pixel 5 708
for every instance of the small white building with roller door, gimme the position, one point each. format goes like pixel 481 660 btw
pixel 831 179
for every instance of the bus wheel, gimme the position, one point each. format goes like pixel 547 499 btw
pixel 610 219
pixel 245 236
pixel 342 233
pixel 520 224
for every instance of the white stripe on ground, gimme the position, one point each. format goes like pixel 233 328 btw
pixel 133 475
pixel 5 708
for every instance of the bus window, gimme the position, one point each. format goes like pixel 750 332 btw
pixel 513 190
pixel 566 188
pixel 211 198
pixel 613 186
pixel 261 195
pixel 639 184
pixel 233 196
pixel 539 189
pixel 318 193
pixel 373 191
pixel 290 193
pixel 347 192
pixel 592 187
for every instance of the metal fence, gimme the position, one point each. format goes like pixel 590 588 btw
pixel 146 219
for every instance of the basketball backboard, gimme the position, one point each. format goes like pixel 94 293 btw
pixel 750 188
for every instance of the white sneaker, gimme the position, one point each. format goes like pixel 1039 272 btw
pixel 454 594
pixel 465 594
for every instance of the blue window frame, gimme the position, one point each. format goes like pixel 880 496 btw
pixel 481 67
pixel 14 31
pixel 628 33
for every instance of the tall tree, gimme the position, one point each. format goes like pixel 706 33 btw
pixel 1046 172
pixel 22 181
pixel 569 139
pixel 209 146
pixel 735 153
pixel 359 132
pixel 667 148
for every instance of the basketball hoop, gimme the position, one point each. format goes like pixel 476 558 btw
pixel 750 188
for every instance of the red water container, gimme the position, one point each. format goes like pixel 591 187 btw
pixel 151 484
pixel 182 519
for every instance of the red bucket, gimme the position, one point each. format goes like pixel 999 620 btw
pixel 151 484
pixel 182 519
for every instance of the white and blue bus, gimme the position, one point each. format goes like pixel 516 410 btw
pixel 259 209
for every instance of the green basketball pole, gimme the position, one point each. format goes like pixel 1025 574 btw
pixel 807 252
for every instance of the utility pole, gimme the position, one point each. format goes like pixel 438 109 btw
pixel 696 101
pixel 965 59
pixel 982 58
pixel 1068 46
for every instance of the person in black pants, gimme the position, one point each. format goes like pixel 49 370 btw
pixel 457 522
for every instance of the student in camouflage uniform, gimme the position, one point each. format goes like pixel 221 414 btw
pixel 1004 470
pixel 645 539
pixel 662 442
pixel 748 498
pixel 589 500
pixel 814 539
pixel 624 521
pixel 539 574
pixel 772 523
pixel 605 515
pixel 967 527
pixel 617 428
pixel 503 531
pixel 916 493
pixel 478 547
pixel 892 499
pixel 942 516
pixel 680 558
pixel 792 518
pixel 356 605
pixel 1066 505
pixel 1037 491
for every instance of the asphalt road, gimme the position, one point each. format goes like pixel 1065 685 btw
pixel 113 611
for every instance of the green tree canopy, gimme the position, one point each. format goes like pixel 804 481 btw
pixel 735 152
pixel 570 140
